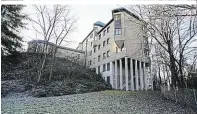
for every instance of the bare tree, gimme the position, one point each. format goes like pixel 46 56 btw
pixel 173 28
pixel 54 24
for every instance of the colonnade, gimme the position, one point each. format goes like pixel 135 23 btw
pixel 129 74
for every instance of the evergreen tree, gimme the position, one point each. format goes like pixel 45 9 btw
pixel 11 23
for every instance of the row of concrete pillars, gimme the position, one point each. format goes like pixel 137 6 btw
pixel 129 74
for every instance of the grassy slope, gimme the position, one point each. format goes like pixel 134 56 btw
pixel 68 77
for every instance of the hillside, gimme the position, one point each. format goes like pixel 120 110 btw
pixel 19 74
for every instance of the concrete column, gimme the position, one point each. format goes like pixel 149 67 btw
pixel 126 74
pixel 116 74
pixel 96 70
pixel 136 76
pixel 111 75
pixel 121 78
pixel 141 77
pixel 131 69
pixel 145 76
pixel 151 77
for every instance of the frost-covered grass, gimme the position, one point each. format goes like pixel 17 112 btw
pixel 103 102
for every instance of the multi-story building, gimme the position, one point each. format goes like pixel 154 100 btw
pixel 63 52
pixel 119 51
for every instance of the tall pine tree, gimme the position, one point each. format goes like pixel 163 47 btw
pixel 11 23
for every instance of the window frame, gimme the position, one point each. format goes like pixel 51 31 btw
pixel 99 58
pixel 104 68
pixel 118 31
pixel 108 66
pixel 99 36
pixel 107 40
pixel 104 43
pixel 104 55
pixel 108 53
pixel 108 29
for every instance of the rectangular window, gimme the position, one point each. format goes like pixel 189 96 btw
pixel 118 27
pixel 104 32
pixel 146 52
pixel 90 62
pixel 108 53
pixel 99 46
pixel 108 29
pixel 104 55
pixel 99 58
pixel 108 79
pixel 78 57
pixel 118 31
pixel 98 69
pixel 108 66
pixel 94 60
pixel 103 43
pixel 91 43
pixel 104 67
pixel 108 41
pixel 117 17
pixel 94 49
pixel 99 36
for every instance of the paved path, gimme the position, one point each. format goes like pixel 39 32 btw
pixel 104 102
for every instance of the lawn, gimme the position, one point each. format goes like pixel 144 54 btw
pixel 103 102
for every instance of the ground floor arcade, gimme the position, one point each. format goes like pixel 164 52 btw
pixel 126 74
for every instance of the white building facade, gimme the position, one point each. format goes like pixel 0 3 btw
pixel 119 51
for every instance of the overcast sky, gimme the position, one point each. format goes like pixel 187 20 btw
pixel 87 15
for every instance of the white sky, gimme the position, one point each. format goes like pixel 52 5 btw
pixel 86 14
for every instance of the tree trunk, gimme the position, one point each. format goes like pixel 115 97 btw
pixel 52 64
pixel 42 66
